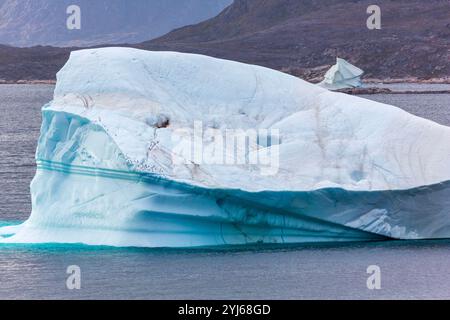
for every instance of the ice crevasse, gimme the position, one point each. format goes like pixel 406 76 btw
pixel 110 170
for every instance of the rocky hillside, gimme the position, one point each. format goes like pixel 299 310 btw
pixel 304 37
pixel 298 37
pixel 43 22
pixel 37 63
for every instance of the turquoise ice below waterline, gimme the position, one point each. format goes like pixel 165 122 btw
pixel 125 208
pixel 189 216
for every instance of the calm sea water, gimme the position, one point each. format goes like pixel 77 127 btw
pixel 408 269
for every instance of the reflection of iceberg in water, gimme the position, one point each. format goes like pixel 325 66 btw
pixel 342 75
pixel 349 169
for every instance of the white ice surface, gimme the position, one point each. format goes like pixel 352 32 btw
pixel 327 139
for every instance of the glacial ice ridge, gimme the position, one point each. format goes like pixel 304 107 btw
pixel 114 165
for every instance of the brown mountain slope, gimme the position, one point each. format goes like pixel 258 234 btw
pixel 303 37
pixel 31 22
pixel 36 63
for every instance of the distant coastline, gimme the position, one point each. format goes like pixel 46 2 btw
pixel 367 90
pixel 49 82
pixel 444 80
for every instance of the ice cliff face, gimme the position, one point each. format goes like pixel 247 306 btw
pixel 119 161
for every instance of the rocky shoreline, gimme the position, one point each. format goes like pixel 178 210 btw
pixel 28 82
pixel 353 91
pixel 444 80
pixel 368 81
pixel 359 91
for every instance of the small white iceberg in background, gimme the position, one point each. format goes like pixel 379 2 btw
pixel 343 75
pixel 114 164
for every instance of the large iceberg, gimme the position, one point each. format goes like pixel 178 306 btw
pixel 115 167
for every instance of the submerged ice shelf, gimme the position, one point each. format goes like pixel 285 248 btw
pixel 113 168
